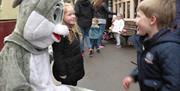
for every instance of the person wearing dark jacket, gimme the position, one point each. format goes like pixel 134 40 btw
pixel 84 14
pixel 178 12
pixel 101 12
pixel 178 16
pixel 68 65
pixel 158 48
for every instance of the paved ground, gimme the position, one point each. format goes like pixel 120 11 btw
pixel 105 71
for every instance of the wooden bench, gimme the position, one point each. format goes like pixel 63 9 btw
pixel 130 28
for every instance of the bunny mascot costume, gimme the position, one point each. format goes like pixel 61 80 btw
pixel 24 59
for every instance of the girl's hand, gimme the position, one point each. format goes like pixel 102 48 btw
pixel 120 32
pixel 124 31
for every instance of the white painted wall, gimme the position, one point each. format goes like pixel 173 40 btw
pixel 6 10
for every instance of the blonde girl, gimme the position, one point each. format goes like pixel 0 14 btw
pixel 68 61
pixel 117 29
pixel 70 21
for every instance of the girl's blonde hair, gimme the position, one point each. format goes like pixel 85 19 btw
pixel 163 10
pixel 74 29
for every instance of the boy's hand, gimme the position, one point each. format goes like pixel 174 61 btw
pixel 126 82
pixel 123 31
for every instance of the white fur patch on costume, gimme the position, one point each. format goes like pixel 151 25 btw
pixel 62 88
pixel 38 30
pixel 40 74
pixel 61 29
pixel 40 77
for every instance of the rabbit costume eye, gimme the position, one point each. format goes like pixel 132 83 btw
pixel 57 13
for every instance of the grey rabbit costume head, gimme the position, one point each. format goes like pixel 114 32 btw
pixel 37 22
pixel 50 9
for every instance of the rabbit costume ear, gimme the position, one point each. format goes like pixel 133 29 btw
pixel 16 3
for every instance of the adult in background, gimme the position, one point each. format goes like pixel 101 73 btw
pixel 178 16
pixel 84 14
pixel 101 12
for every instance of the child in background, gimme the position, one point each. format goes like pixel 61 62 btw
pixel 68 65
pixel 94 35
pixel 117 28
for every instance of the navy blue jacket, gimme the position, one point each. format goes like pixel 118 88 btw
pixel 158 61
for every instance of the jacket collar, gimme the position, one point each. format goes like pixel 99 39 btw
pixel 164 35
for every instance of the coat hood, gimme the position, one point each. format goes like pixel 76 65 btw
pixel 163 36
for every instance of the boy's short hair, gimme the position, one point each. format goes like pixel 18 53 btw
pixel 164 10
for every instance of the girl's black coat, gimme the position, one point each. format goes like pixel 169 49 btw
pixel 68 60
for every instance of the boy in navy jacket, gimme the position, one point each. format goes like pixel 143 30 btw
pixel 158 49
